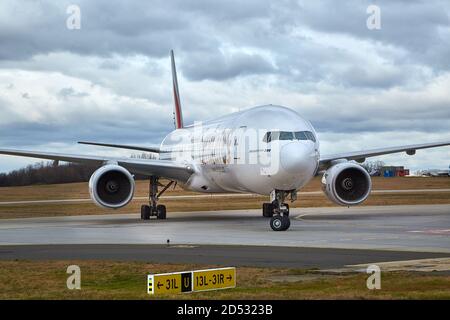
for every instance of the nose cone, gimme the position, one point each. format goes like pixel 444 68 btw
pixel 297 157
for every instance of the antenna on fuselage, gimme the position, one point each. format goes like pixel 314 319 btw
pixel 178 116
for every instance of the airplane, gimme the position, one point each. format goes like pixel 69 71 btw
pixel 268 150
pixel 436 173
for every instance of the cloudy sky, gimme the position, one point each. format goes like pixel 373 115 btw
pixel 109 81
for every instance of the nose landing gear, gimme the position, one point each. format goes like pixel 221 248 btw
pixel 278 210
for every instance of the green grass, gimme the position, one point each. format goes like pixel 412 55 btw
pixel 127 280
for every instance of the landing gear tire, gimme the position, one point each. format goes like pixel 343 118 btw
pixel 161 212
pixel 287 222
pixel 280 223
pixel 145 212
pixel 268 210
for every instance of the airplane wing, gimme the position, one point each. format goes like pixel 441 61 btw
pixel 161 168
pixel 154 149
pixel 360 156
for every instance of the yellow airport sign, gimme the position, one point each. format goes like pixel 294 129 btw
pixel 214 279
pixel 170 283
pixel 189 281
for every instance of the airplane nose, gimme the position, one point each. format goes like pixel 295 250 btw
pixel 296 157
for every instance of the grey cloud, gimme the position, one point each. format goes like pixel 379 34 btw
pixel 126 28
pixel 197 30
pixel 371 77
pixel 378 124
pixel 420 27
pixel 70 92
pixel 220 66
pixel 109 64
pixel 20 134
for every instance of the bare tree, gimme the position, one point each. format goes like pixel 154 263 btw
pixel 373 167
pixel 49 173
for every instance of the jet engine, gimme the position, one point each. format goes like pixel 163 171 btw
pixel 111 186
pixel 346 184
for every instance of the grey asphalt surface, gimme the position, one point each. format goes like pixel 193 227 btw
pixel 260 256
pixel 318 237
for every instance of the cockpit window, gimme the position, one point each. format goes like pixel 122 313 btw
pixel 289 135
pixel 301 135
pixel 286 135
pixel 310 136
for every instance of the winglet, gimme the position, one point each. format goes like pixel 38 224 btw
pixel 178 116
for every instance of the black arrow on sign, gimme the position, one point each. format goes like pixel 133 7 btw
pixel 229 277
pixel 159 285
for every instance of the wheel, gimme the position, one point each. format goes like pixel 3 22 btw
pixel 280 223
pixel 145 212
pixel 276 223
pixel 267 210
pixel 287 221
pixel 161 211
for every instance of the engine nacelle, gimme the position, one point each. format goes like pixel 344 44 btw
pixel 111 186
pixel 346 184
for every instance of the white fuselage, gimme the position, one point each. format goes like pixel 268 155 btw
pixel 234 154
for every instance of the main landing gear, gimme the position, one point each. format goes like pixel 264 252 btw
pixel 278 210
pixel 154 209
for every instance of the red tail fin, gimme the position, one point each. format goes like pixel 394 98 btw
pixel 176 95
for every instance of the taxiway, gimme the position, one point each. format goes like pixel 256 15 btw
pixel 318 237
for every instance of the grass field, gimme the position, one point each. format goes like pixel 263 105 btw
pixel 80 191
pixel 127 280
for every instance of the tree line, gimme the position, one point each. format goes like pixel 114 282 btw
pixel 46 173
pixel 49 173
